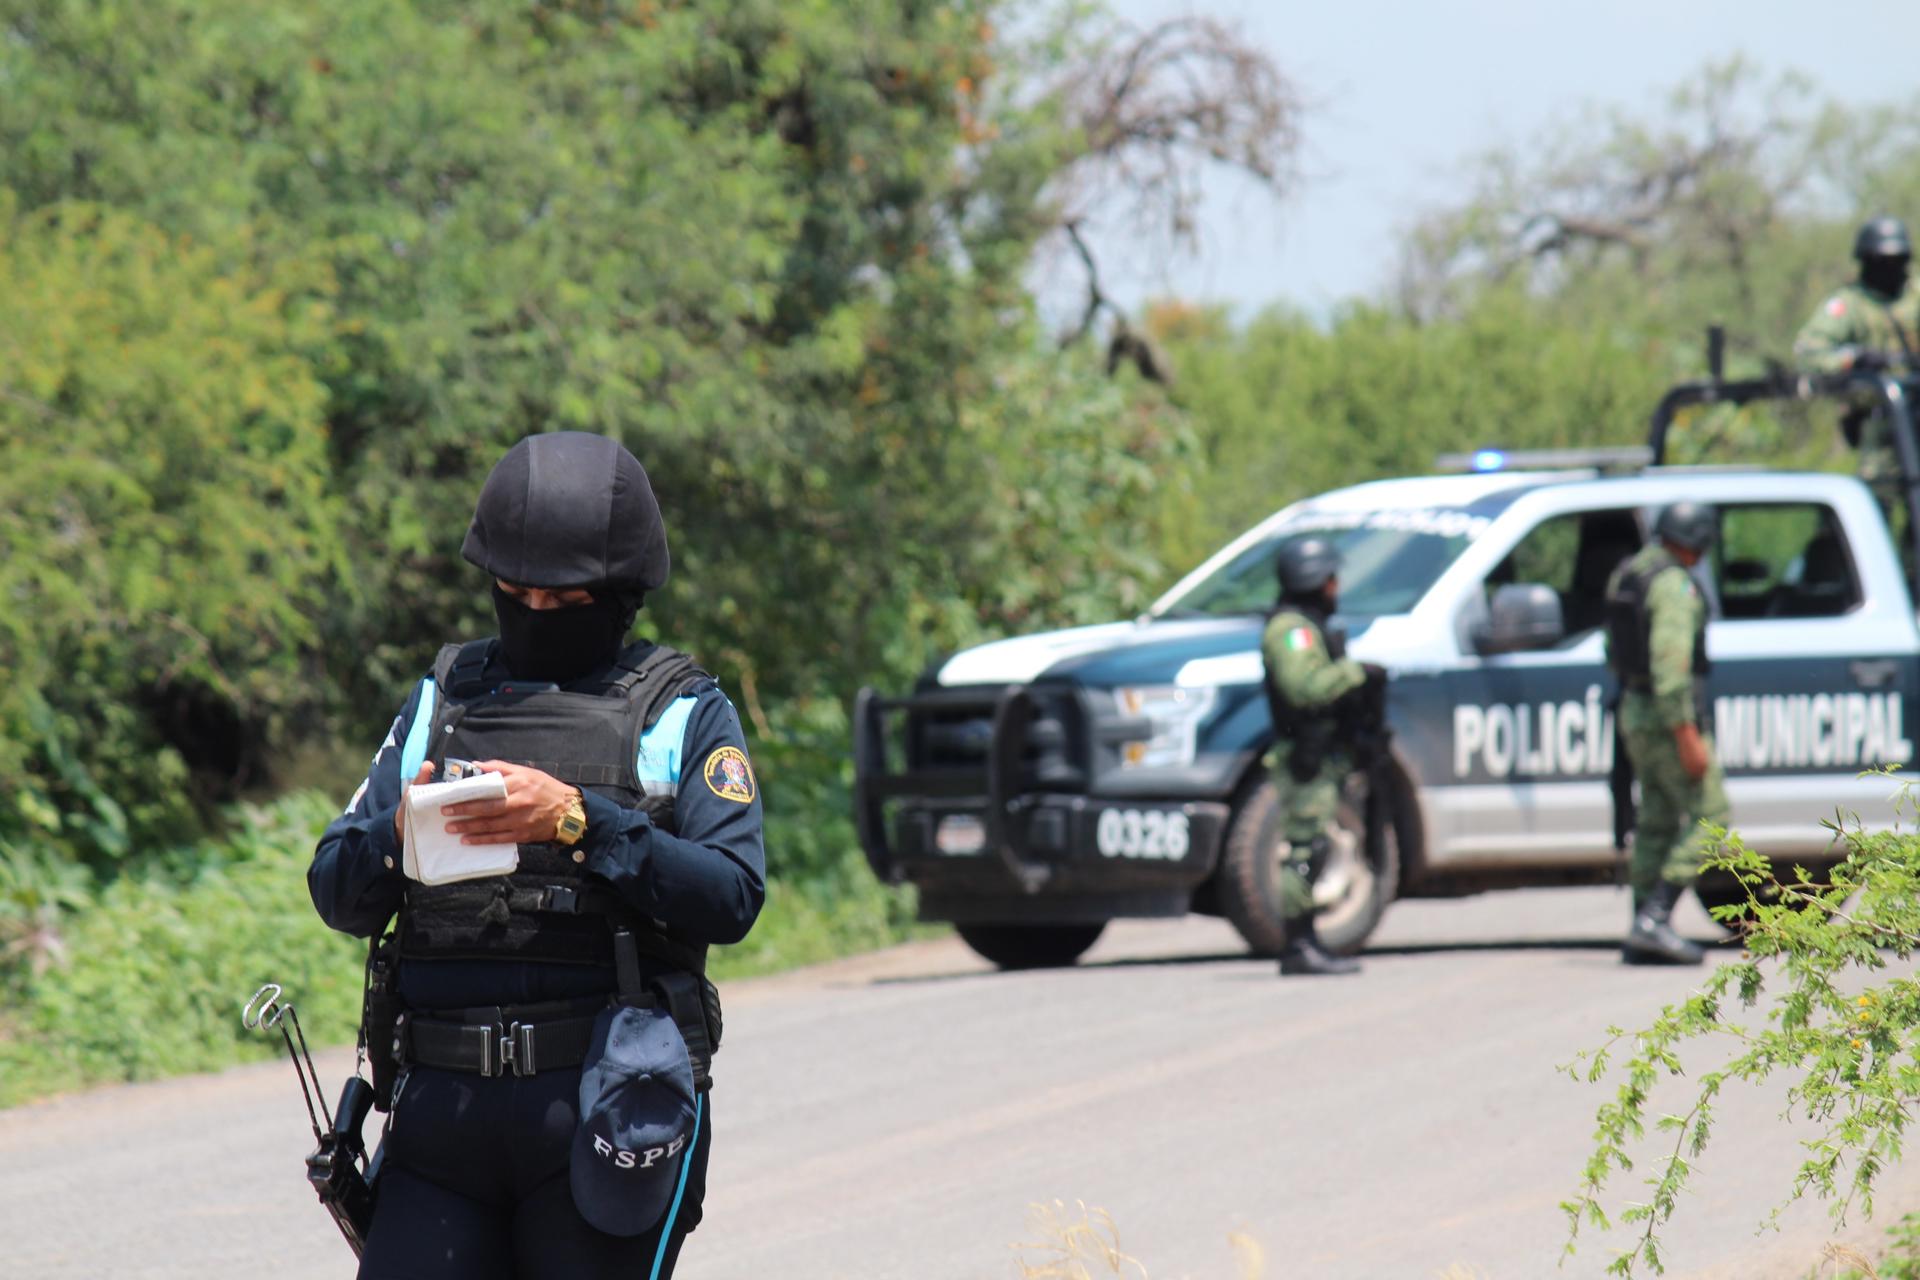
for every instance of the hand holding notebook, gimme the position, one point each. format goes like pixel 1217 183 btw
pixel 433 855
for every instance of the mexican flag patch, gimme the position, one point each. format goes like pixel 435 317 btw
pixel 1299 638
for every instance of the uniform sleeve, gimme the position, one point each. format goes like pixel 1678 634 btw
pixel 1905 315
pixel 1676 609
pixel 707 882
pixel 1829 339
pixel 355 879
pixel 1297 655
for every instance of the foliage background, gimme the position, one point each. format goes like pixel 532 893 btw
pixel 279 282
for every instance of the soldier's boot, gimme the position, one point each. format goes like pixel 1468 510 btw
pixel 1652 940
pixel 1303 954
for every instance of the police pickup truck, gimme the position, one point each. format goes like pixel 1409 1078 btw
pixel 1035 788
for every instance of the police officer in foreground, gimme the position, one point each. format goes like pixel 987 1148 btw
pixel 549 1046
pixel 1309 681
pixel 1657 647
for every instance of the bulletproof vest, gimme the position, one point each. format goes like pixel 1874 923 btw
pixel 1892 317
pixel 1630 625
pixel 586 734
pixel 1289 720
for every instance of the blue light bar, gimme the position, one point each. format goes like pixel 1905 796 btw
pixel 1488 459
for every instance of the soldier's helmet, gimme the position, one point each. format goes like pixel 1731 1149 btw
pixel 1882 238
pixel 570 509
pixel 1305 565
pixel 1692 525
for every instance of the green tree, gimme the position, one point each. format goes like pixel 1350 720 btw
pixel 166 536
pixel 1285 407
pixel 777 249
pixel 1734 203
pixel 1554 303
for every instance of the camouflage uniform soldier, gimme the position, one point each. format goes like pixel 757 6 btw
pixel 1873 323
pixel 1656 644
pixel 1307 677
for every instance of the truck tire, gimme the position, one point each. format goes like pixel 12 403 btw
pixel 1249 878
pixel 1030 946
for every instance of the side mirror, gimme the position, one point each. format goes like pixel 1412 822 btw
pixel 1523 615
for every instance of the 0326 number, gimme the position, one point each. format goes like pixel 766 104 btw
pixel 1142 833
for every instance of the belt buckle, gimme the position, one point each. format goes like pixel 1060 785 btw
pixel 515 1050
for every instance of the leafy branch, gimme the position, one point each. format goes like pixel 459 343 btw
pixel 1852 1049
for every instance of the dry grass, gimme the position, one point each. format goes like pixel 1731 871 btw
pixel 1074 1242
pixel 1078 1243
pixel 1845 1255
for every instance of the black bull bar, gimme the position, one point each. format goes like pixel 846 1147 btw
pixel 993 789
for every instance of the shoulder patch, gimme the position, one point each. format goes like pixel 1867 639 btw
pixel 1300 638
pixel 1836 307
pixel 728 774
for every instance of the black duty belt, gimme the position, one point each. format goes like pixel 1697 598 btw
pixel 505 1044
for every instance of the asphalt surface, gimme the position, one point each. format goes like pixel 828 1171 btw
pixel 897 1115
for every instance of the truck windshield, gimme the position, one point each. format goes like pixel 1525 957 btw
pixel 1388 559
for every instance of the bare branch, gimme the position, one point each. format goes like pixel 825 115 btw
pixel 1152 110
pixel 1169 100
pixel 1703 190
pixel 1096 298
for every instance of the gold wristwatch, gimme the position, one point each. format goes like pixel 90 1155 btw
pixel 573 821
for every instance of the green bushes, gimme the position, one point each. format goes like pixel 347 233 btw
pixel 279 282
pixel 146 977
pixel 276 293
pixel 1822 998
pixel 150 976
pixel 165 529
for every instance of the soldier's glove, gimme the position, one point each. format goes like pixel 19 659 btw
pixel 1693 750
pixel 1853 425
pixel 1376 675
pixel 1868 360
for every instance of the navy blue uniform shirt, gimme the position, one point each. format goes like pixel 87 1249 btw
pixel 706 883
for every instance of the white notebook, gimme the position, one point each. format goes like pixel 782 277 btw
pixel 432 854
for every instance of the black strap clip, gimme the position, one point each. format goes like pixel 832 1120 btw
pixel 507 1049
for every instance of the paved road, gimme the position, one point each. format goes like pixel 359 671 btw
pixel 895 1115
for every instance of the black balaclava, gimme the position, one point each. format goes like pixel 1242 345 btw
pixel 561 645
pixel 1886 275
pixel 1318 604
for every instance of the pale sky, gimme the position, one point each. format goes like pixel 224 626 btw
pixel 1407 93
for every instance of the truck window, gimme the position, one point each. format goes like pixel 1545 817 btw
pixel 1388 561
pixel 1574 554
pixel 1783 560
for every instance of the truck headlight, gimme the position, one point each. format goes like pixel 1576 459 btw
pixel 1175 713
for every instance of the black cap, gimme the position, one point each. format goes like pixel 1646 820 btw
pixel 1691 525
pixel 569 509
pixel 639 1116
pixel 1305 565
pixel 1882 238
